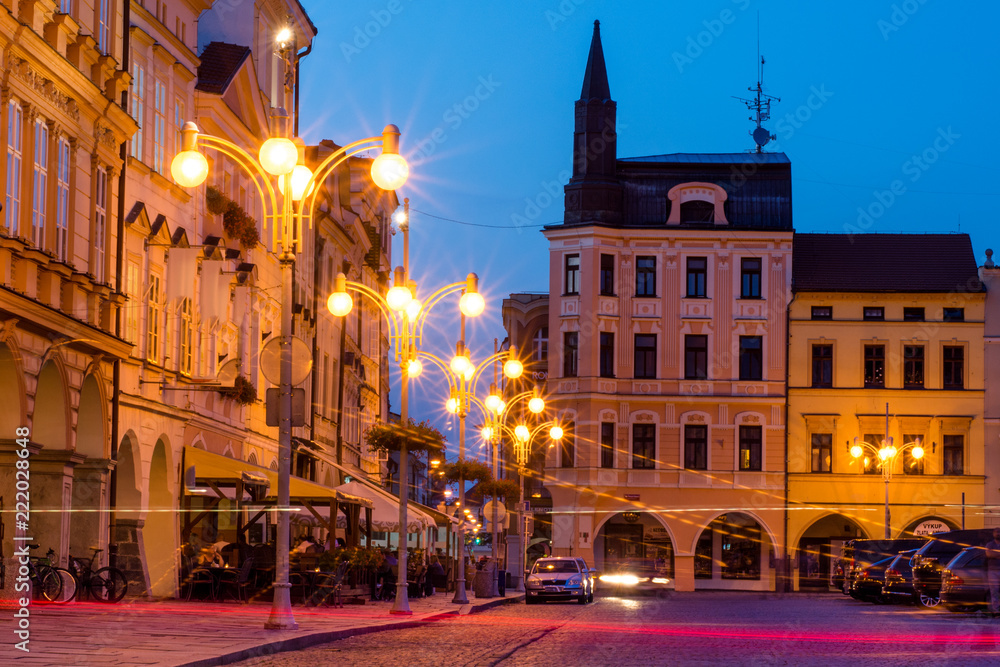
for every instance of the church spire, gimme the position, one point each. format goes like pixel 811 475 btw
pixel 594 194
pixel 595 81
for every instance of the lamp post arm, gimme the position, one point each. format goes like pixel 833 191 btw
pixel 379 301
pixel 483 365
pixel 328 166
pixel 432 300
pixel 437 361
pixel 251 166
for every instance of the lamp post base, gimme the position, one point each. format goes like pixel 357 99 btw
pixel 281 610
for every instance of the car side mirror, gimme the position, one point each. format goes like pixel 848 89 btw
pixel 593 570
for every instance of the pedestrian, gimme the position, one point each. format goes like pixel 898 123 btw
pixel 993 571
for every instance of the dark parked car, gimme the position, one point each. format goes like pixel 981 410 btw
pixel 859 554
pixel 930 560
pixel 964 585
pixel 867 585
pixel 898 586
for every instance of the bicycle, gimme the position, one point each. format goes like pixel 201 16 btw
pixel 69 583
pixel 46 583
pixel 107 584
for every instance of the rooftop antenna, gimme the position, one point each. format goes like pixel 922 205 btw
pixel 760 105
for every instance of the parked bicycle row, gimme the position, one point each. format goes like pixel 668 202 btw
pixel 80 581
pixel 950 570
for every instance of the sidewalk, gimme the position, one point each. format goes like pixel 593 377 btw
pixel 198 634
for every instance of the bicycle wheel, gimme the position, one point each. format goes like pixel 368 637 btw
pixel 69 584
pixel 49 583
pixel 108 585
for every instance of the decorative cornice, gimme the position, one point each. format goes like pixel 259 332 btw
pixel 46 87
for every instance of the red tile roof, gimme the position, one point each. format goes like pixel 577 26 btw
pixel 884 263
pixel 219 64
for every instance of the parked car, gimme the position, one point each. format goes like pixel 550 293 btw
pixel 930 560
pixel 859 554
pixel 898 585
pixel 867 584
pixel 559 578
pixel 964 584
pixel 635 577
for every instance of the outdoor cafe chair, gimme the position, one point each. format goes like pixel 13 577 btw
pixel 237 581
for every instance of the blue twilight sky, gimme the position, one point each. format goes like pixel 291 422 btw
pixel 875 96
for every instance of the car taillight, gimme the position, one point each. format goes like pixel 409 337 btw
pixel 866 573
pixel 891 573
pixel 955 581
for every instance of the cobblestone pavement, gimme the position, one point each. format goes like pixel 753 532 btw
pixel 685 628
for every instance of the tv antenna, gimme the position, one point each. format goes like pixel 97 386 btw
pixel 760 104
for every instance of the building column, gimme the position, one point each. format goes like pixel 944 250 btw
pixel 683 573
pixel 89 526
pixel 52 500
pixel 129 555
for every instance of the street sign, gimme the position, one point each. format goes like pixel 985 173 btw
pixel 631 496
pixel 525 506
pixel 488 511
pixel 298 407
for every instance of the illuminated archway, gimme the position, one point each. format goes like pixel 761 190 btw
pixel 819 549
pixel 633 538
pixel 49 415
pixel 735 551
pixel 159 530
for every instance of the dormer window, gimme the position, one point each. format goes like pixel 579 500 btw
pixel 697 203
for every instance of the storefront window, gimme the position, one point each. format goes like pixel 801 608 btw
pixel 703 555
pixel 741 549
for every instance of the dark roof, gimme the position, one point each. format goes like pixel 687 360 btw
pixel 884 263
pixel 595 80
pixel 713 158
pixel 219 64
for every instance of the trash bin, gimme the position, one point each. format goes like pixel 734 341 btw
pixel 502 582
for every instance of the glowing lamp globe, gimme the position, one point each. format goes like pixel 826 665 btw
pixel 301 175
pixel 918 452
pixel 470 370
pixel 451 405
pixel 459 364
pixel 513 368
pixel 556 433
pixel 340 303
pixel 390 171
pixel 487 433
pixel 472 304
pixel 278 156
pixel 857 451
pixel 398 297
pixel 414 368
pixel 883 453
pixel 521 432
pixel 493 402
pixel 536 405
pixel 413 309
pixel 189 169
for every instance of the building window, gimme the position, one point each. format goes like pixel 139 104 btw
pixel 643 445
pixel 750 278
pixel 914 314
pixel 954 455
pixel 751 358
pixel 62 199
pixel 104 26
pixel 695 357
pixel 911 464
pixel 65 6
pixel 607 445
pixel 697 270
pixel 954 367
pixel 540 345
pixel 822 448
pixel 822 365
pixel 645 276
pixel 178 124
pixel 138 106
pixel 12 205
pixel 953 315
pixel 39 183
pixel 874 313
pixel 696 447
pixel 645 355
pixel 572 274
pixel 822 312
pixel 750 446
pixel 567 448
pixel 159 125
pixel 869 460
pixel 607 354
pixel 134 291
pixel 100 222
pixel 913 366
pixel 607 275
pixel 571 344
pixel 187 335
pixel 703 560
pixel 154 315
pixel 874 366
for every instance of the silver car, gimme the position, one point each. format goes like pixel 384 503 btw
pixel 559 578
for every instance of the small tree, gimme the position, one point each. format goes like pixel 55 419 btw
pixel 465 470
pixel 420 437
pixel 507 489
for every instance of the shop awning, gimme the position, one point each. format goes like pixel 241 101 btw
pixel 385 514
pixel 222 471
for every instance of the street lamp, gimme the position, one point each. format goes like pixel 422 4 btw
pixel 406 316
pixel 285 208
pixel 887 453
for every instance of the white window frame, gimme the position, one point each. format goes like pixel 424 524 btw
pixel 63 159
pixel 137 107
pixel 103 22
pixel 154 317
pixel 133 289
pixel 159 125
pixel 186 351
pixel 39 183
pixel 99 239
pixel 12 204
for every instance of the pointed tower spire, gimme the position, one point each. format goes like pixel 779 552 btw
pixel 594 193
pixel 595 81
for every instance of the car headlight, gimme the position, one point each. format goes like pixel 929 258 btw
pixel 575 580
pixel 534 582
pixel 660 580
pixel 620 579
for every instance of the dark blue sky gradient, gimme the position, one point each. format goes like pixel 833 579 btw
pixel 872 93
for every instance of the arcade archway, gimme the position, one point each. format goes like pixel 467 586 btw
pixel 633 537
pixel 821 546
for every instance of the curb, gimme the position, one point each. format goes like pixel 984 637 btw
pixel 322 637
